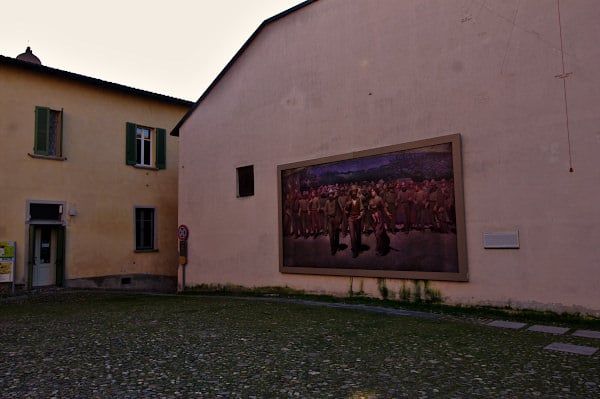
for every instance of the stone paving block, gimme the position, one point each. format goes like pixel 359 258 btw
pixel 507 324
pixel 577 349
pixel 587 334
pixel 549 329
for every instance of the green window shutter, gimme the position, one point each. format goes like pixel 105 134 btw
pixel 60 133
pixel 161 148
pixel 130 152
pixel 42 130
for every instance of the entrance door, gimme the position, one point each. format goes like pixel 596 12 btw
pixel 44 260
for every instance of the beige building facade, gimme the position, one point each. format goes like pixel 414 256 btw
pixel 89 179
pixel 516 81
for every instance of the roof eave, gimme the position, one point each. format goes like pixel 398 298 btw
pixel 91 81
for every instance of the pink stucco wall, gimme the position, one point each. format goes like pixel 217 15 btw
pixel 339 76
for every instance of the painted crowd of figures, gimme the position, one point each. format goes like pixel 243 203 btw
pixel 370 208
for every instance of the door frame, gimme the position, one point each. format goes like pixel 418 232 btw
pixel 59 226
pixel 60 253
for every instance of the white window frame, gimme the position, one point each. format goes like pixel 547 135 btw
pixel 146 159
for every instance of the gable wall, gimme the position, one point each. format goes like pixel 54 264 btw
pixel 341 76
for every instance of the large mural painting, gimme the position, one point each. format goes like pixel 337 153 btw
pixel 394 212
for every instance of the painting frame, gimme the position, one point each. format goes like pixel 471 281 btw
pixel 444 150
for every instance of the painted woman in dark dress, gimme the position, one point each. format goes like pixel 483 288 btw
pixel 378 213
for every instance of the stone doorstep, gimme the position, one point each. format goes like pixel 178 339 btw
pixel 577 349
pixel 587 334
pixel 549 329
pixel 507 324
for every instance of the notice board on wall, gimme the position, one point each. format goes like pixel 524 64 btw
pixel 7 261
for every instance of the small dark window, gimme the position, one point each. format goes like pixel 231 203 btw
pixel 245 179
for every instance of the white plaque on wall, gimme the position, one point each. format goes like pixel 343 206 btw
pixel 501 239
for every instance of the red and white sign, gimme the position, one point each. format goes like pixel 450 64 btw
pixel 182 232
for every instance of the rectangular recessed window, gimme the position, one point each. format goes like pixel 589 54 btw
pixel 245 181
pixel 145 229
pixel 48 132
pixel 145 146
pixel 45 211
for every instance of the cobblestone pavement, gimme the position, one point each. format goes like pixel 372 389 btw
pixel 99 345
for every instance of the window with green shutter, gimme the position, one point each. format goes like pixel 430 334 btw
pixel 145 147
pixel 161 148
pixel 130 144
pixel 48 132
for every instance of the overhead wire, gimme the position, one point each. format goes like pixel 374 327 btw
pixel 564 75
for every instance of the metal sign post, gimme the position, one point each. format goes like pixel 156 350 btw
pixel 182 236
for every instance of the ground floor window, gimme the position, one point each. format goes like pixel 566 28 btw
pixel 145 229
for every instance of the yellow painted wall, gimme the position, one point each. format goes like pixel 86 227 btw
pixel 94 179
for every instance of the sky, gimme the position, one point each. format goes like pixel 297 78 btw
pixel 171 47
